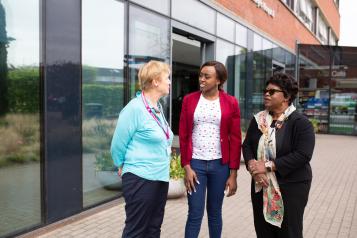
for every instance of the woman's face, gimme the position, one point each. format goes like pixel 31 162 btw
pixel 273 97
pixel 163 84
pixel 208 79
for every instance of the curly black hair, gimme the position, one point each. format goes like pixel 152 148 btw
pixel 286 83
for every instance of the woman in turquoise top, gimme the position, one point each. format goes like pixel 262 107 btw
pixel 141 149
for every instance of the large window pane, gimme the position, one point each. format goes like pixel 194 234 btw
pixel 225 27
pixel 259 75
pixel 20 183
pixel 162 6
pixel 195 14
pixel 314 81
pixel 224 53
pixel 149 39
pixel 240 77
pixel 102 95
pixel 223 50
pixel 343 107
pixel 241 35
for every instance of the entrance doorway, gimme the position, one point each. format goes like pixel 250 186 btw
pixel 186 62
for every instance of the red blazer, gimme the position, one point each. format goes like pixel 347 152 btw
pixel 230 129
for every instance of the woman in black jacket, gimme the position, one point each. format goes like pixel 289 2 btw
pixel 277 150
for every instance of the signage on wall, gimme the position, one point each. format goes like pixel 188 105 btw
pixel 338 73
pixel 261 4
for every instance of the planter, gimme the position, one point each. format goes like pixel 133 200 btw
pixel 176 188
pixel 109 179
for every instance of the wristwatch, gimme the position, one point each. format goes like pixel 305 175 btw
pixel 269 165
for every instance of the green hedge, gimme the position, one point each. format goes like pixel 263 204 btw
pixel 23 90
pixel 111 97
pixel 24 96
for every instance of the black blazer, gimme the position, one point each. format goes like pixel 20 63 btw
pixel 295 142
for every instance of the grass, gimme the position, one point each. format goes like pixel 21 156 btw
pixel 20 140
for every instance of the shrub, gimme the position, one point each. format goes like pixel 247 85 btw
pixel 176 171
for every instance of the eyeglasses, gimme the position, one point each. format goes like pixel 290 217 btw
pixel 272 91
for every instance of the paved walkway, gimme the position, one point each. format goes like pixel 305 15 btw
pixel 331 210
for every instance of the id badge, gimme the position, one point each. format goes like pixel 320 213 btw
pixel 168 151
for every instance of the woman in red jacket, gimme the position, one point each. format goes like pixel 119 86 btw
pixel 210 145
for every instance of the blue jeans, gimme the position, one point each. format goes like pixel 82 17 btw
pixel 212 176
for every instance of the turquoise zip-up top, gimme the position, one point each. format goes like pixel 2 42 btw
pixel 139 144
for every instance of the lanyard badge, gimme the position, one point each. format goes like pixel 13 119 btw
pixel 166 132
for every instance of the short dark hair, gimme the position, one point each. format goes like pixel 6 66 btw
pixel 221 71
pixel 286 83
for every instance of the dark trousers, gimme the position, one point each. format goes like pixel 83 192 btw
pixel 212 176
pixel 145 202
pixel 295 196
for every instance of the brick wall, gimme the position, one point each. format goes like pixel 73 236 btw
pixel 284 27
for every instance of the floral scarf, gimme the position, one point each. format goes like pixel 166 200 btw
pixel 273 206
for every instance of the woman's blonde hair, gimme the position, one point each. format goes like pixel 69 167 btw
pixel 150 71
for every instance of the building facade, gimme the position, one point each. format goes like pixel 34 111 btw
pixel 68 67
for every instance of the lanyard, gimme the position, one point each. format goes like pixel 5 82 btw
pixel 167 134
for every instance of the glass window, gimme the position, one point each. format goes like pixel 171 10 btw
pixel 305 10
pixel 343 107
pixel 162 6
pixel 240 77
pixel 194 13
pixel 225 51
pixel 279 54
pixel 257 42
pixel 225 27
pixel 241 35
pixel 314 83
pixel 20 170
pixel 102 95
pixel 149 38
pixel 259 75
pixel 322 30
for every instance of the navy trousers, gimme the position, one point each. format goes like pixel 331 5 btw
pixel 145 202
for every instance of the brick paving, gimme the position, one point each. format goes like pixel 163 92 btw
pixel 331 210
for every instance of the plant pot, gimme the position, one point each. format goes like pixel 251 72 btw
pixel 176 188
pixel 109 179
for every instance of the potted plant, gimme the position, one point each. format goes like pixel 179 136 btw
pixel 315 124
pixel 177 173
pixel 106 172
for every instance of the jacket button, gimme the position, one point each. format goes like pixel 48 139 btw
pixel 221 140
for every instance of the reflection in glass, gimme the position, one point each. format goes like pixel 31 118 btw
pixel 259 76
pixel 102 95
pixel 149 39
pixel 343 106
pixel 314 80
pixel 20 176
pixel 240 77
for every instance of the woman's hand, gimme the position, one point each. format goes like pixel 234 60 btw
pixel 120 170
pixel 258 167
pixel 231 184
pixel 190 179
pixel 261 179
